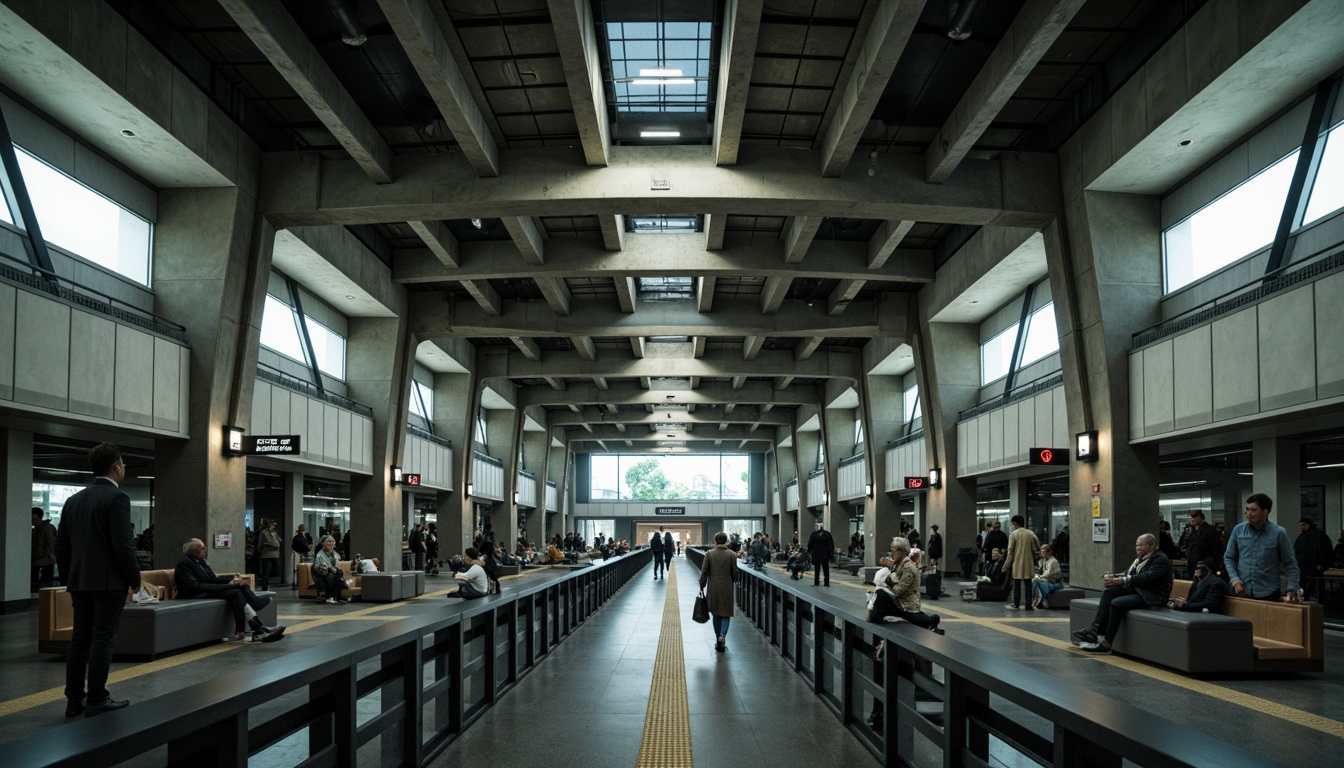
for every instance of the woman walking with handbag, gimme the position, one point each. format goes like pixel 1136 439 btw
pixel 717 575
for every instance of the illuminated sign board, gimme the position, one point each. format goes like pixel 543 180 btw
pixel 410 478
pixel 271 445
pixel 916 483
pixel 1050 456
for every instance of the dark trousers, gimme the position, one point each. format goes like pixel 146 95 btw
pixel 821 565
pixel 270 569
pixel 419 561
pixel 330 583
pixel 43 576
pixel 659 563
pixel 667 559
pixel 1115 603
pixel 238 597
pixel 97 616
pixel 1020 586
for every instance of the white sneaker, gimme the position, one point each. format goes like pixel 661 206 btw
pixel 1011 608
pixel 331 601
pixel 1090 646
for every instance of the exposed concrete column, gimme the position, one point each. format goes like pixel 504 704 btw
pixel 786 470
pixel 805 454
pixel 210 272
pixel 1106 280
pixel 947 368
pixel 16 535
pixel 455 401
pixel 502 428
pixel 535 458
pixel 380 355
pixel 882 424
pixel 293 518
pixel 556 464
pixel 1277 467
pixel 1017 500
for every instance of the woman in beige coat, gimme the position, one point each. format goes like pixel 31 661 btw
pixel 717 574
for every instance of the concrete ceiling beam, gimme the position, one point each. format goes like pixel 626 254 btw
pixel 576 40
pixel 439 240
pixel 556 292
pixel 613 231
pixel 716 226
pixel 715 364
pixel 742 26
pixel 585 347
pixel 626 293
pixel 881 49
pixel 426 45
pixel 884 241
pixel 843 293
pixel 704 293
pixel 528 347
pixel 709 393
pixel 799 238
pixel 659 419
pixel 528 237
pixel 614 432
pixel 485 295
pixel 773 292
pixel 751 347
pixel 1031 34
pixel 806 347
pixel 280 39
pixel 637 346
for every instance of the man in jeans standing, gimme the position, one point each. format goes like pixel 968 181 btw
pixel 95 548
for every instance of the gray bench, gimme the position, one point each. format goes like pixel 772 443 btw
pixel 393 586
pixel 1191 642
pixel 1063 597
pixel 157 628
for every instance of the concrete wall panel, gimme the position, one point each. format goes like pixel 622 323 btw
pixel 93 345
pixel 298 418
pixel 330 435
pixel 1045 420
pixel 1012 435
pixel 1193 377
pixel 261 409
pixel 1329 340
pixel 995 437
pixel 982 443
pixel 1287 349
pixel 963 448
pixel 41 351
pixel 1062 438
pixel 1136 404
pixel 366 452
pixel 280 406
pixel 133 398
pixel 1236 378
pixel 1158 388
pixel 315 450
pixel 343 437
pixel 1026 426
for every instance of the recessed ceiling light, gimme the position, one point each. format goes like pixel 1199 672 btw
pixel 128 133
pixel 1185 143
pixel 660 134
pixel 663 81
pixel 476 223
pixel 349 296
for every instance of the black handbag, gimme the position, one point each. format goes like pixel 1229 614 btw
pixel 700 614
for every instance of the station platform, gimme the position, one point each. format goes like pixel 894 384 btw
pixel 610 690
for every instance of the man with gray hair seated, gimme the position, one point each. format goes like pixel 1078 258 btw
pixel 1146 584
pixel 195 579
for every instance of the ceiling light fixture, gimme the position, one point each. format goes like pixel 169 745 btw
pixel 128 133
pixel 476 223
pixel 660 73
pixel 664 81
pixel 660 134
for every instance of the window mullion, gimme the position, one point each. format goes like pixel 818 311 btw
pixel 1020 342
pixel 1304 175
pixel 16 191
pixel 304 335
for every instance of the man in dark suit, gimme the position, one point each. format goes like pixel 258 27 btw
pixel 1207 593
pixel 195 578
pixel 820 546
pixel 656 546
pixel 95 549
pixel 1203 542
pixel 1146 584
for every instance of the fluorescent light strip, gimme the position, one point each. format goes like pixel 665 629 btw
pixel 660 73
pixel 660 134
pixel 664 81
pixel 1324 466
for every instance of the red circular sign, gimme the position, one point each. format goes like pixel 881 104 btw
pixel 914 482
pixel 1047 455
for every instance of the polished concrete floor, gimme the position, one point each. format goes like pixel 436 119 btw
pixel 589 697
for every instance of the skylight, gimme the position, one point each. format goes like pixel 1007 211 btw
pixel 659 66
pixel 663 225
pixel 666 289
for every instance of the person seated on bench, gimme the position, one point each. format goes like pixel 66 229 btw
pixel 474 581
pixel 327 574
pixel 364 566
pixel 798 563
pixel 997 588
pixel 1047 579
pixel 195 579
pixel 1207 593
pixel 1146 584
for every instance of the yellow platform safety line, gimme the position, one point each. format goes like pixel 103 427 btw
pixel 1011 626
pixel 667 724
pixel 52 695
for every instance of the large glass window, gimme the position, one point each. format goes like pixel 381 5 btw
pixel 912 407
pixel 1042 338
pixel 660 66
pixel 83 222
pixel 666 478
pixel 996 355
pixel 1327 194
pixel 280 333
pixel 422 400
pixel 1240 222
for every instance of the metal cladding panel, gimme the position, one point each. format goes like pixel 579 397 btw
pixel 8 295
pixel 1329 320
pixel 816 490
pixel 167 382
pixel 261 409
pixel 853 480
pixel 1012 437
pixel 316 446
pixel 331 434
pixel 343 418
pixel 1045 420
pixel 41 352
pixel 93 344
pixel 1158 389
pixel 1061 417
pixel 791 497
pixel 1136 394
pixel 1236 364
pixel 298 419
pixel 527 490
pixel 1192 355
pixel 982 442
pixel 551 495
pixel 995 419
pixel 963 448
pixel 280 407
pixel 1026 426
pixel 487 480
pixel 133 382
pixel 1287 349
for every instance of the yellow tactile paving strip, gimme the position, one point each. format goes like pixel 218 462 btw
pixel 667 725
pixel 1012 626
pixel 52 695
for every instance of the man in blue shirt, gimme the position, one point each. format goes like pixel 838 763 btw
pixel 1257 550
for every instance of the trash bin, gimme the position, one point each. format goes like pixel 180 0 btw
pixel 968 557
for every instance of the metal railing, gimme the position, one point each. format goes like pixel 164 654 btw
pixel 43 281
pixel 1017 393
pixel 980 695
pixel 417 432
pixel 905 439
pixel 487 458
pixel 856 458
pixel 394 695
pixel 294 384
pixel 1289 275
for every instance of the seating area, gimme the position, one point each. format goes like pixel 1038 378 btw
pixel 1248 636
pixel 355 581
pixel 151 629
pixel 391 587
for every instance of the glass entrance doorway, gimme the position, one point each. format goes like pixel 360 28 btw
pixel 685 533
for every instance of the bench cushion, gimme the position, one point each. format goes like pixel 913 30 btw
pixel 1190 642
pixel 1062 597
